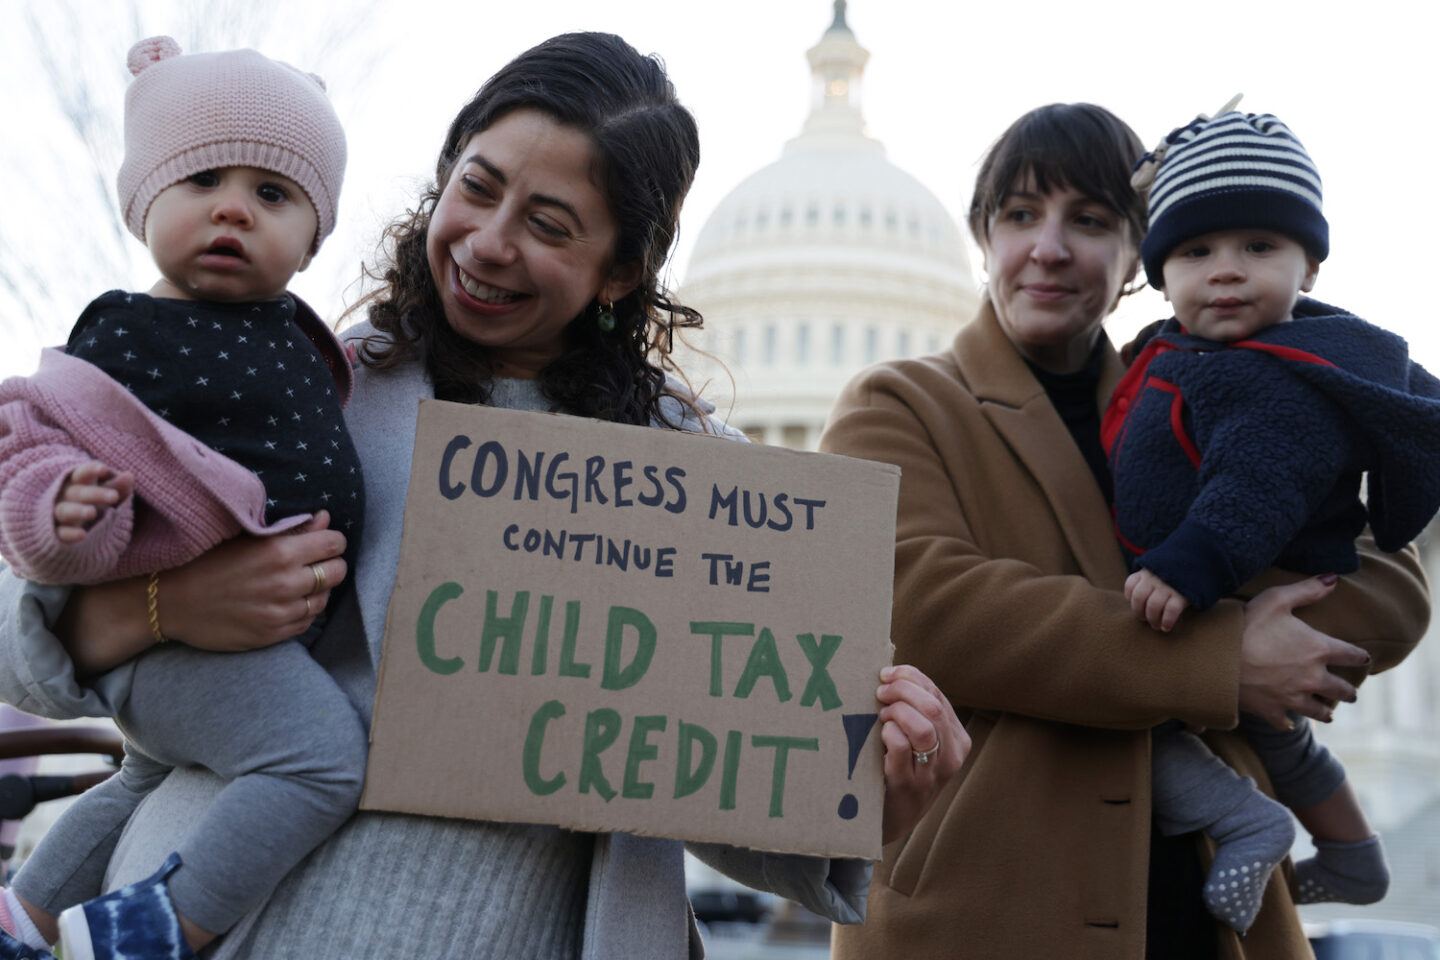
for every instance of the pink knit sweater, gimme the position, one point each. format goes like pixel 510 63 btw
pixel 188 497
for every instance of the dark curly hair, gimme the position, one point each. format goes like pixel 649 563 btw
pixel 646 151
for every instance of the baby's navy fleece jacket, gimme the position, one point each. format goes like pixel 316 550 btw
pixel 1229 458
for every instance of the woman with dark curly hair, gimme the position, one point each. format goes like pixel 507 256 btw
pixel 606 359
pixel 527 277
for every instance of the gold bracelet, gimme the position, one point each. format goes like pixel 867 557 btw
pixel 152 606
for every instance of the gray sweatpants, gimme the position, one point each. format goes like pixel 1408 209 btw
pixel 272 722
pixel 1301 770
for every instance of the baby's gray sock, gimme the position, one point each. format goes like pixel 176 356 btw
pixel 1250 842
pixel 1195 790
pixel 1343 873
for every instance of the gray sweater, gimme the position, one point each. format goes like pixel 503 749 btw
pixel 388 884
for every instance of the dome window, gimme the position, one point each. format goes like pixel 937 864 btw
pixel 892 221
pixel 812 216
pixel 865 218
pixel 839 217
pixel 837 344
pixel 767 350
pixel 914 227
pixel 786 215
pixel 872 344
pixel 802 344
pixel 904 349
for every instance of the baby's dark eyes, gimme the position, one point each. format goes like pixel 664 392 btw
pixel 272 193
pixel 205 178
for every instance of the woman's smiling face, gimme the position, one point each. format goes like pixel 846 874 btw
pixel 1057 262
pixel 522 241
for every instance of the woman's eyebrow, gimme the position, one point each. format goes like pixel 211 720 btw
pixel 543 199
pixel 489 167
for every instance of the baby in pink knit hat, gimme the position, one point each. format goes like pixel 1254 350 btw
pixel 173 420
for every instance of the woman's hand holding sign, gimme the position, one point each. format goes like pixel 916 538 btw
pixel 925 746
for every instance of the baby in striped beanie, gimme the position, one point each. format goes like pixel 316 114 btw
pixel 206 408
pixel 1237 441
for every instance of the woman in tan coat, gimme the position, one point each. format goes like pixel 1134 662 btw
pixel 1008 593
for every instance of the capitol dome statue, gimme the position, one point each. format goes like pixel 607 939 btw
pixel 827 260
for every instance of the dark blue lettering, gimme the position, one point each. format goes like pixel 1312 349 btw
pixel 754 522
pixel 448 490
pixel 489 449
pixel 726 501
pixel 527 475
pixel 782 508
pixel 652 475
pixel 593 493
pixel 810 507
pixel 573 493
pixel 623 479
pixel 674 475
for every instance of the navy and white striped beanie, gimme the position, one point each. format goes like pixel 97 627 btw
pixel 1238 170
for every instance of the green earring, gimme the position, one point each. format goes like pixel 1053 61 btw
pixel 605 317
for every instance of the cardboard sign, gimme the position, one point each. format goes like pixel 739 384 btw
pixel 615 628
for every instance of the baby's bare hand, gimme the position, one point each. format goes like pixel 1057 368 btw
pixel 1154 601
pixel 90 490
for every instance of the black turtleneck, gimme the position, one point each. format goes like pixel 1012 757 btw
pixel 1177 925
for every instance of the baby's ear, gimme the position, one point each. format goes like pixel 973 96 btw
pixel 305 263
pixel 150 51
pixel 1312 271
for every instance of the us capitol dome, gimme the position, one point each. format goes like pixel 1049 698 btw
pixel 826 261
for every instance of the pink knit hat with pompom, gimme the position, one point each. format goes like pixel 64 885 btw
pixel 203 111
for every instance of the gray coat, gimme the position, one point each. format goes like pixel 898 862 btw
pixel 637 906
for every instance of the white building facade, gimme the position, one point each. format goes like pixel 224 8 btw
pixel 827 260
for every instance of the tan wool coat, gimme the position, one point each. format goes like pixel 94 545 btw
pixel 1008 593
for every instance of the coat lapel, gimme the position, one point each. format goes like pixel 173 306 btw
pixel 1021 413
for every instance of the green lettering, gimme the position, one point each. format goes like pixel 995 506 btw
pixel 602 726
pixel 731 771
pixel 633 788
pixel 783 746
pixel 691 777
pixel 613 677
pixel 764 661
pixel 425 630
pixel 820 686
pixel 534 741
pixel 540 654
pixel 504 629
pixel 568 665
pixel 717 631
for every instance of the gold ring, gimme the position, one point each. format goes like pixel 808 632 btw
pixel 319 571
pixel 308 611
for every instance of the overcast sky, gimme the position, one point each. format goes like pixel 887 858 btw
pixel 1354 81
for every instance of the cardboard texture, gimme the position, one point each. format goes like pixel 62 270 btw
pixel 615 628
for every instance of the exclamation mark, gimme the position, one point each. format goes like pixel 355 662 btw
pixel 857 731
